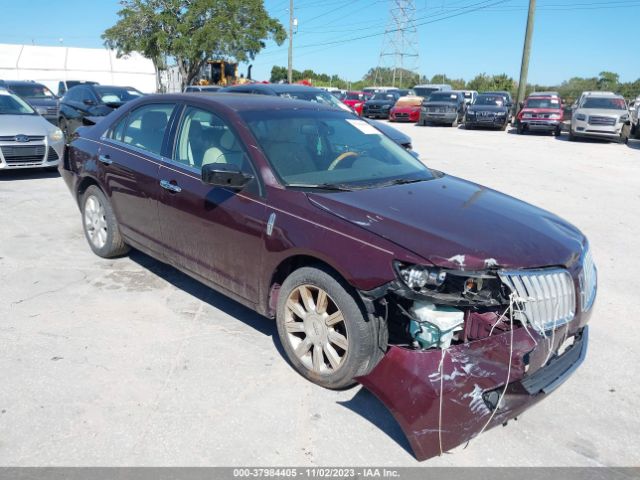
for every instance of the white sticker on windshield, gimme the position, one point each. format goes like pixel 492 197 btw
pixel 364 127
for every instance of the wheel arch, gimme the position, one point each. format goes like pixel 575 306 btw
pixel 290 264
pixel 84 184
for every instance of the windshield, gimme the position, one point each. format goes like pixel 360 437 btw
pixel 14 105
pixel 384 96
pixel 425 91
pixel 331 148
pixel 604 103
pixel 34 90
pixel 117 94
pixel 542 103
pixel 443 97
pixel 492 100
pixel 321 97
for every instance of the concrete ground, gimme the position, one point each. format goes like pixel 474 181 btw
pixel 129 362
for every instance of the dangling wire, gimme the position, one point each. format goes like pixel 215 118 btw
pixel 441 369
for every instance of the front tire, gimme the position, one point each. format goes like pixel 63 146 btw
pixel 100 225
pixel 324 331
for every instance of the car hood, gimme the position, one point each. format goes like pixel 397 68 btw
pixel 372 103
pixel 608 112
pixel 393 133
pixel 24 125
pixel 453 223
pixel 486 108
pixel 42 102
pixel 440 104
pixel 541 110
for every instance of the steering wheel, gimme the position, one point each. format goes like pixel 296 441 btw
pixel 341 157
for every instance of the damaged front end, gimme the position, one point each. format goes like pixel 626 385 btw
pixel 469 350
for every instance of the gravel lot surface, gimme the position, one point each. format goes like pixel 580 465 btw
pixel 129 362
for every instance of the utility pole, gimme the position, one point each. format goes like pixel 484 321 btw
pixel 290 70
pixel 524 68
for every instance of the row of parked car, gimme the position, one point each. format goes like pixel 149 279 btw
pixel 31 139
pixel 595 114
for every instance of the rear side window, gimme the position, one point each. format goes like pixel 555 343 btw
pixel 144 127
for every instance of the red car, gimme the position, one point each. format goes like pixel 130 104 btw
pixel 541 112
pixel 458 316
pixel 406 109
pixel 355 100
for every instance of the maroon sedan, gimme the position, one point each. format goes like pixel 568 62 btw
pixel 458 306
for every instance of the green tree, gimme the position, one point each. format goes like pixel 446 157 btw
pixel 608 81
pixel 193 31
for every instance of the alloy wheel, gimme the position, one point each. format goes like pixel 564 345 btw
pixel 95 222
pixel 316 329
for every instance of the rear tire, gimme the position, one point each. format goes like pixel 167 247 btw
pixel 455 123
pixel 558 131
pixel 520 129
pixel 100 225
pixel 324 331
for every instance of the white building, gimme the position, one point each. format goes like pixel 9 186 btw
pixel 49 65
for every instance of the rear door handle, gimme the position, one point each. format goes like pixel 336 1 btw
pixel 106 159
pixel 167 185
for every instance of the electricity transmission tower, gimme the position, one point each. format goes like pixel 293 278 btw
pixel 400 44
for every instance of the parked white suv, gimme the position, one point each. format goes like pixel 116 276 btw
pixel 27 140
pixel 601 115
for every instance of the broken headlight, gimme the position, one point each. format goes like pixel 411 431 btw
pixel 588 281
pixel 417 277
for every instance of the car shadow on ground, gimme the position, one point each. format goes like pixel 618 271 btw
pixel 27 174
pixel 363 403
pixel 207 295
pixel 635 144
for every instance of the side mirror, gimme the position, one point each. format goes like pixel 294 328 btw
pixel 223 175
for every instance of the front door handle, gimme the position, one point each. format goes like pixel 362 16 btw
pixel 106 159
pixel 167 185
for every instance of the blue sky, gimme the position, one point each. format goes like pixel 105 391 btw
pixel 572 37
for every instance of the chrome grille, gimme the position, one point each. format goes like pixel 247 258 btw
pixel 547 298
pixel 20 155
pixel 603 121
pixel 12 138
pixel 588 282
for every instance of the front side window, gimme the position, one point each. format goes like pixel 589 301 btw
pixel 116 95
pixel 315 149
pixel 144 127
pixel 204 138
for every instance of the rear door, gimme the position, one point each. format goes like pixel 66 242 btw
pixel 214 232
pixel 130 158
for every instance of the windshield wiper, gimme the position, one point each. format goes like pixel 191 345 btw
pixel 402 181
pixel 322 186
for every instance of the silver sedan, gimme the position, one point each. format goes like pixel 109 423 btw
pixel 27 140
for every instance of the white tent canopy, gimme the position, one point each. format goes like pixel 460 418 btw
pixel 49 65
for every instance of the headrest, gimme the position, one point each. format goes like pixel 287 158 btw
pixel 153 121
pixel 228 140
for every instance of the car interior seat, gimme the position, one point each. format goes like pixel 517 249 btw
pixel 152 126
pixel 288 152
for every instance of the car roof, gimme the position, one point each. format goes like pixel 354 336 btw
pixel 21 82
pixel 276 87
pixel 544 94
pixel 240 102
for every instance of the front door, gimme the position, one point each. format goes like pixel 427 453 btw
pixel 214 232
